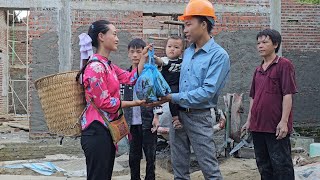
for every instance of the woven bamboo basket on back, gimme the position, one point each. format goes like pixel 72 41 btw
pixel 61 98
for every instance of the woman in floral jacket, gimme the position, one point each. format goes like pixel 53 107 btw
pixel 102 84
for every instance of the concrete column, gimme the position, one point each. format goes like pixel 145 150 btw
pixel 275 18
pixel 65 36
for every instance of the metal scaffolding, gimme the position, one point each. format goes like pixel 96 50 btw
pixel 17 65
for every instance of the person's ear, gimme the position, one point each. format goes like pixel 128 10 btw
pixel 276 46
pixel 204 25
pixel 100 37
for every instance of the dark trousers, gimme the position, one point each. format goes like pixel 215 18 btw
pixel 99 150
pixel 142 140
pixel 273 156
pixel 174 108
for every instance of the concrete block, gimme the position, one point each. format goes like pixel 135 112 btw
pixel 247 153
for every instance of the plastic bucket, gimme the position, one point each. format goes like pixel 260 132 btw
pixel 314 149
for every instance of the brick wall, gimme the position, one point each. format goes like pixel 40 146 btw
pixel 128 23
pixel 42 20
pixel 3 47
pixel 19 34
pixel 300 26
pixel 3 31
pixel 227 20
pixel 152 27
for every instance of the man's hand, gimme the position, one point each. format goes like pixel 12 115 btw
pixel 245 127
pixel 166 98
pixel 155 124
pixel 162 101
pixel 282 129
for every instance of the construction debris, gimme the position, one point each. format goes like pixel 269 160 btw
pixel 310 171
pixel 22 125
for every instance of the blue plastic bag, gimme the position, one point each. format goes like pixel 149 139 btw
pixel 151 85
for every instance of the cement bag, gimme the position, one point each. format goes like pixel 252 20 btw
pixel 151 85
pixel 236 111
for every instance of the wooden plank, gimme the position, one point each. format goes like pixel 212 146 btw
pixel 172 22
pixel 158 47
pixel 6 118
pixel 157 38
pixel 155 14
pixel 23 125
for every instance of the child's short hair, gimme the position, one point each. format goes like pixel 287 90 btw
pixel 176 37
pixel 137 43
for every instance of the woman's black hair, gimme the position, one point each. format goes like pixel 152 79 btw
pixel 274 35
pixel 205 19
pixel 95 28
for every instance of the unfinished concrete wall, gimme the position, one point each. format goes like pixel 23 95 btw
pixel 44 52
pixel 301 37
pixel 306 101
pixel 241 46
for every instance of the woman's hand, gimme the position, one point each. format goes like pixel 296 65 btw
pixel 145 52
pixel 126 104
pixel 140 102
pixel 144 58
pixel 157 103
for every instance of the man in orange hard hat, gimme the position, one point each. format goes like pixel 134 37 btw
pixel 204 72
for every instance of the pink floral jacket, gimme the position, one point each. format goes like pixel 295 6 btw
pixel 102 84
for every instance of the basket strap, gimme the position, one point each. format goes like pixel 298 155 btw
pixel 81 72
pixel 100 112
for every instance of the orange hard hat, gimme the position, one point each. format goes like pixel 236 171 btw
pixel 198 8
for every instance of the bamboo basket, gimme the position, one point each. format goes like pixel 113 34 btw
pixel 61 98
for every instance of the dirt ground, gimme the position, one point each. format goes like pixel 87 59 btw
pixel 234 169
pixel 231 169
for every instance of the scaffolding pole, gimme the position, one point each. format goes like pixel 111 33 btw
pixel 21 63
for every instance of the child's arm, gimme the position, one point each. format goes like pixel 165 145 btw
pixel 159 61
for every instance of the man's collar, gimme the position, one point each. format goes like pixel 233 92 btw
pixel 275 61
pixel 206 47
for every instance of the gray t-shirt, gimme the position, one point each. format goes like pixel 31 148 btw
pixel 136 113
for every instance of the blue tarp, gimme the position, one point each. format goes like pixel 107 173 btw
pixel 44 168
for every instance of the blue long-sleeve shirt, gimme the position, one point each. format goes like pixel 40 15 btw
pixel 203 75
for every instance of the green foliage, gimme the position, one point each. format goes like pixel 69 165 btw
pixel 310 1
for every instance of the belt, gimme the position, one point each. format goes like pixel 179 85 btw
pixel 192 110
